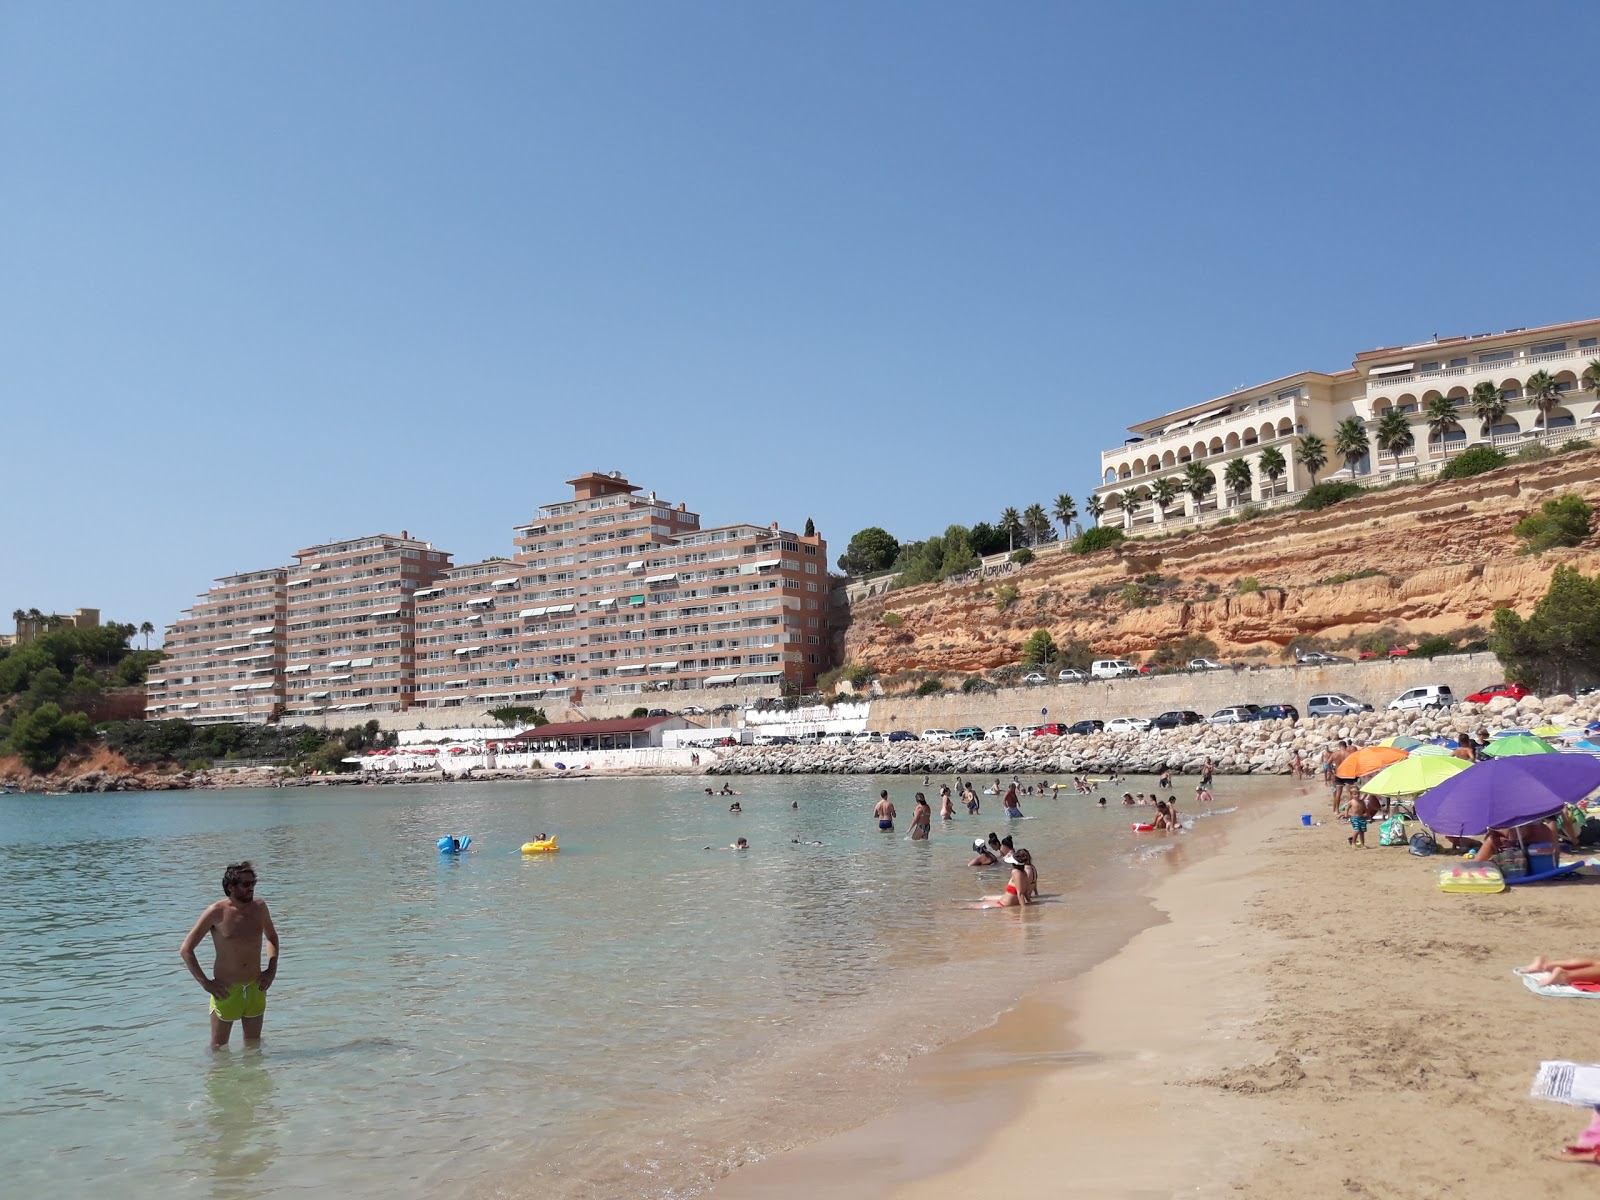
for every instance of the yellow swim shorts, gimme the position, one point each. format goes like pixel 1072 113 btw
pixel 242 1000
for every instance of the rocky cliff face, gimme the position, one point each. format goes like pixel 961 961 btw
pixel 1436 558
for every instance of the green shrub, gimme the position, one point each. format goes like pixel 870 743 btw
pixel 1101 537
pixel 1571 444
pixel 1250 512
pixel 977 685
pixel 1005 596
pixel 1132 596
pixel 1533 452
pixel 1432 647
pixel 1246 583
pixel 1328 493
pixel 929 687
pixel 1039 650
pixel 892 619
pixel 1563 521
pixel 1023 556
pixel 859 675
pixel 641 711
pixel 1475 462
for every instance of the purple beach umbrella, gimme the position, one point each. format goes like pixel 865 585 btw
pixel 1505 792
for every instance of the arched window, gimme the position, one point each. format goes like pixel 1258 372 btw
pixel 1111 475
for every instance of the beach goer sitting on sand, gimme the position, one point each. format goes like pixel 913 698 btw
pixel 982 856
pixel 1164 818
pixel 921 819
pixel 1552 971
pixel 1016 891
pixel 1534 833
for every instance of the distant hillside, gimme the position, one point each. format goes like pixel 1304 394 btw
pixel 1433 558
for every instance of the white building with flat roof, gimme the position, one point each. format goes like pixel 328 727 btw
pixel 1454 392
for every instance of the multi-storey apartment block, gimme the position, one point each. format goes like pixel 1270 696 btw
pixel 613 593
pixel 606 593
pixel 225 655
pixel 1425 382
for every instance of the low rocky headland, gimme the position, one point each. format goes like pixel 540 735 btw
pixel 1254 748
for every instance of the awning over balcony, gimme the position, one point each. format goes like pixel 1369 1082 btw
pixel 713 680
pixel 636 565
pixel 761 676
pixel 631 667
pixel 664 666
pixel 561 608
pixel 609 602
pixel 503 583
pixel 1394 369
pixel 420 592
pixel 669 577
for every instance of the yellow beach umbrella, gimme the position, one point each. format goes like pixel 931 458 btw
pixel 1414 776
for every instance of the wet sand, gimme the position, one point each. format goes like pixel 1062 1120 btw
pixel 1307 1020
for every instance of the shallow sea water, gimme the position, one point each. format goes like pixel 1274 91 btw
pixel 632 1017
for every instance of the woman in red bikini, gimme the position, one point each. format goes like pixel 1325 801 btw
pixel 1017 889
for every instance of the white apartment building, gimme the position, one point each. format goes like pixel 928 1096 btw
pixel 1408 379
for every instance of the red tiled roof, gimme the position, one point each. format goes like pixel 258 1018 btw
pixel 591 728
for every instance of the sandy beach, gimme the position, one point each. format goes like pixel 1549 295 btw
pixel 1305 1020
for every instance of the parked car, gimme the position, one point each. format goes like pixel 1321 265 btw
pixel 656 712
pixel 1127 725
pixel 1072 675
pixel 1003 733
pixel 1089 726
pixel 1335 704
pixel 725 708
pixel 1278 712
pixel 871 736
pixel 968 733
pixel 1205 664
pixel 902 735
pixel 1235 714
pixel 778 739
pixel 1511 691
pixel 1049 729
pixel 1317 658
pixel 691 710
pixel 1034 677
pixel 1112 668
pixel 1432 695
pixel 1177 717
pixel 936 735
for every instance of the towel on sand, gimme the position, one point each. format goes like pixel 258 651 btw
pixel 1565 990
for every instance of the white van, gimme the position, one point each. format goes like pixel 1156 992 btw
pixel 1112 668
pixel 1434 695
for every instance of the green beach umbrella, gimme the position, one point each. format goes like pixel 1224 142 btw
pixel 1518 744
pixel 1414 775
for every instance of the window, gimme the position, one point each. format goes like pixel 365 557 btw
pixel 1496 356
pixel 1583 342
pixel 1458 362
pixel 1429 366
pixel 1549 348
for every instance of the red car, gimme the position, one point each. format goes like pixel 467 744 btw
pixel 1054 729
pixel 1511 691
pixel 1391 652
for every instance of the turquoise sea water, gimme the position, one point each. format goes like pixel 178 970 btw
pixel 627 1018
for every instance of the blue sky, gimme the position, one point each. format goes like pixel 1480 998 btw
pixel 276 274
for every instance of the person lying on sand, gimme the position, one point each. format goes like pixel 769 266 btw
pixel 1548 972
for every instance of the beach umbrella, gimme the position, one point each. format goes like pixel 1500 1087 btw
pixel 1368 759
pixel 1433 752
pixel 1586 744
pixel 1550 731
pixel 1447 743
pixel 1507 792
pixel 1413 775
pixel 1401 742
pixel 1518 744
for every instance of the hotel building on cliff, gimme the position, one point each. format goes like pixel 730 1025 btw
pixel 606 593
pixel 1404 379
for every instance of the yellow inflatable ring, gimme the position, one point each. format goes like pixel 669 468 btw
pixel 545 847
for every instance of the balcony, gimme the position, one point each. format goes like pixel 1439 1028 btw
pixel 1244 418
pixel 1575 357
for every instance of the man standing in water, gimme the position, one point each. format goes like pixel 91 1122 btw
pixel 237 924
pixel 884 811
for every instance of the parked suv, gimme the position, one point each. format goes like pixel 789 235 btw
pixel 1335 704
pixel 1112 668
pixel 1127 724
pixel 1278 712
pixel 1086 727
pixel 968 733
pixel 1433 695
pixel 1178 716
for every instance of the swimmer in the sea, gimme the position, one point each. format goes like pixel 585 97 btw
pixel 981 854
pixel 726 790
pixel 884 811
pixel 741 844
pixel 734 807
pixel 798 842
pixel 947 810
pixel 921 819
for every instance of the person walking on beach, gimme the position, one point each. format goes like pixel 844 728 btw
pixel 884 811
pixel 921 819
pixel 238 924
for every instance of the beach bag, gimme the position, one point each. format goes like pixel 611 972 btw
pixel 1422 844
pixel 1392 832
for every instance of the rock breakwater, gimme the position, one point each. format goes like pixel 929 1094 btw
pixel 1257 747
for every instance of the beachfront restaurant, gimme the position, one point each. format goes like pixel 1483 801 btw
pixel 621 733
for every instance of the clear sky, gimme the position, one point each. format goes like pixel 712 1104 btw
pixel 280 273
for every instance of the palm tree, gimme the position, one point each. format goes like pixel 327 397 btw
pixel 1094 507
pixel 1011 525
pixel 1394 434
pixel 1198 481
pixel 1066 511
pixel 1591 376
pixel 1488 405
pixel 1163 491
pixel 1273 465
pixel 1238 477
pixel 1037 523
pixel 1542 393
pixel 1350 442
pixel 1311 454
pixel 1441 417
pixel 147 629
pixel 19 616
pixel 1129 500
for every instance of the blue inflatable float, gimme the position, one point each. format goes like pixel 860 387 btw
pixel 453 845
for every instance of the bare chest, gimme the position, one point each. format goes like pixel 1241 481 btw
pixel 238 925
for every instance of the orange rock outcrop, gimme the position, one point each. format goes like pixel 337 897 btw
pixel 1445 551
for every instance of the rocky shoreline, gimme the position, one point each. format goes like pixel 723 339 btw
pixel 1258 747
